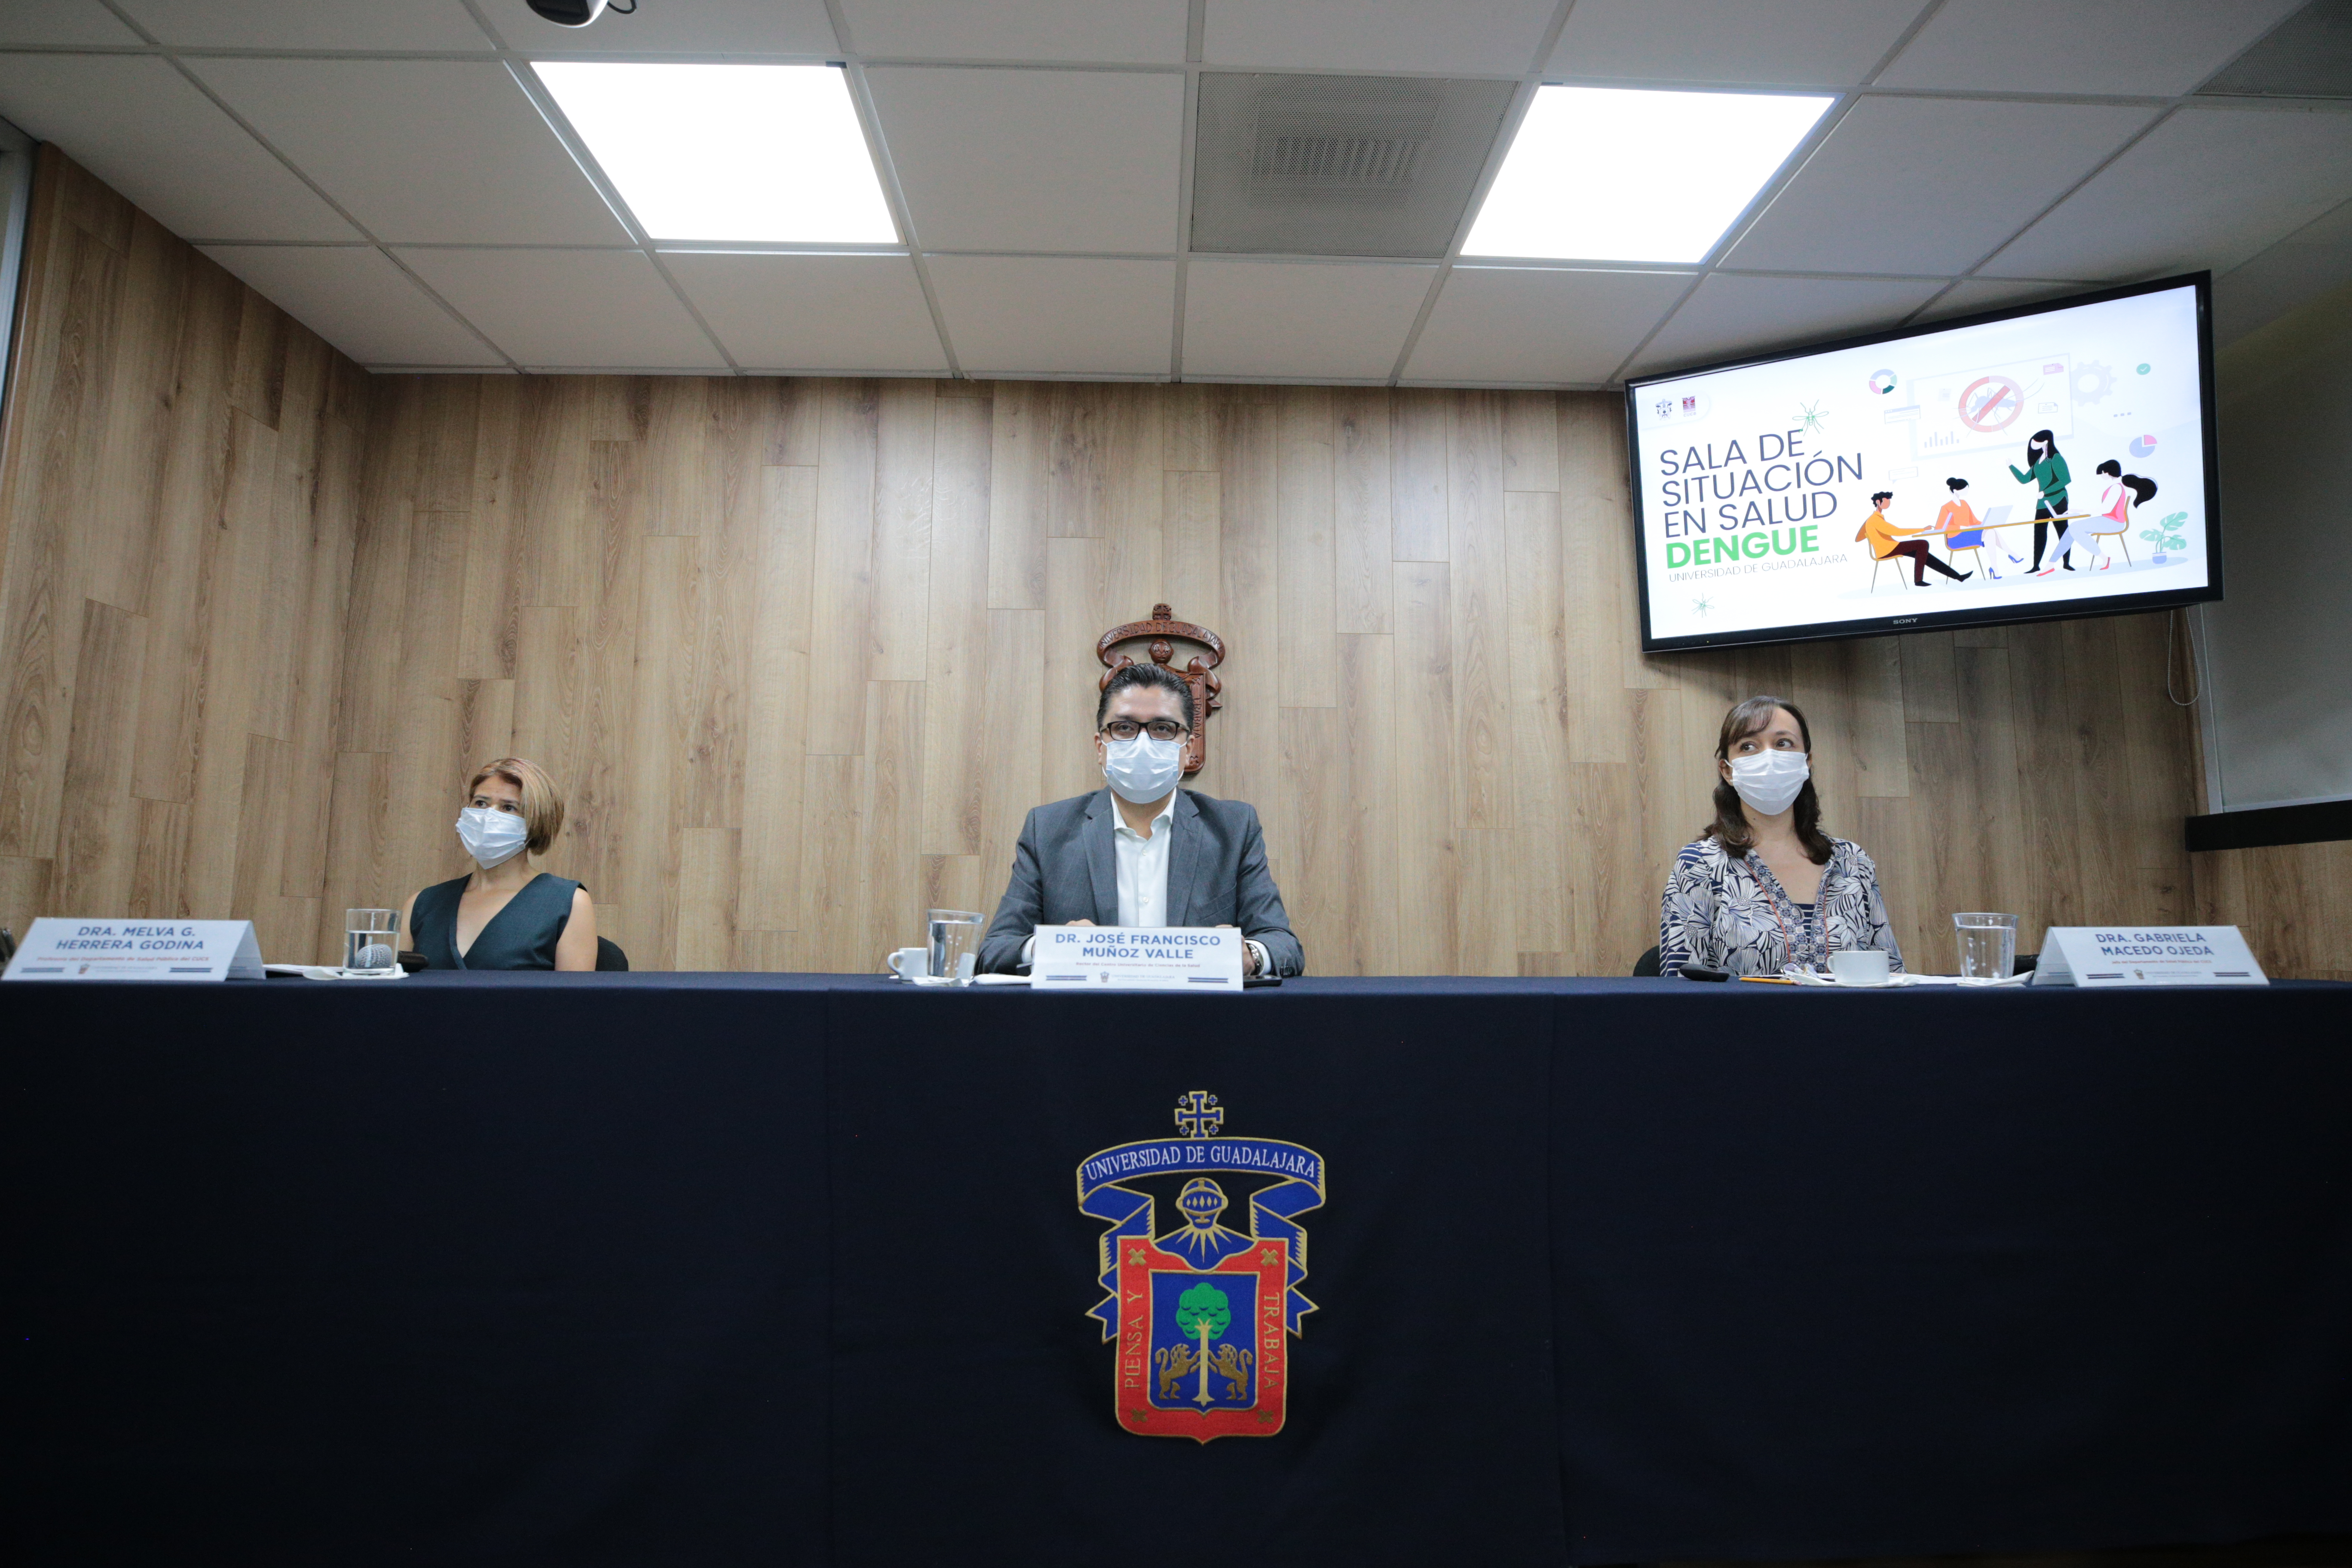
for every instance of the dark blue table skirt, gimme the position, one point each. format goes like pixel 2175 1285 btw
pixel 647 1269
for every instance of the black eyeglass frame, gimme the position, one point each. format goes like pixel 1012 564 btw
pixel 1144 727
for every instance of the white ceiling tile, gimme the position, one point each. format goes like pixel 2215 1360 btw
pixel 1480 37
pixel 136 123
pixel 1055 316
pixel 2333 229
pixel 2280 279
pixel 356 300
pixel 1973 294
pixel 855 313
pixel 1543 325
pixel 1928 185
pixel 1142 32
pixel 60 22
pixel 421 150
pixel 569 308
pixel 675 27
pixel 2312 261
pixel 1773 43
pixel 1015 160
pixel 2208 187
pixel 310 24
pixel 1343 321
pixel 1730 316
pixel 2156 47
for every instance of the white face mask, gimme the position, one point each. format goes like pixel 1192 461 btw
pixel 490 835
pixel 1769 781
pixel 1142 770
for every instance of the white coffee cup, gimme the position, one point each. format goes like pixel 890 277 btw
pixel 910 962
pixel 1860 965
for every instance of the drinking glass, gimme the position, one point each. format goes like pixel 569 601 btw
pixel 371 941
pixel 1988 944
pixel 955 944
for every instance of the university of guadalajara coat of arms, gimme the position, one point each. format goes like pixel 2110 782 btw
pixel 1203 1314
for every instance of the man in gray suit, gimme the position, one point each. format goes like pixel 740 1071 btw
pixel 1142 853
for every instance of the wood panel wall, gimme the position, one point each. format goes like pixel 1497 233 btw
pixel 176 510
pixel 804 652
pixel 2293 901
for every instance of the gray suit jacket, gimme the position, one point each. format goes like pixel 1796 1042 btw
pixel 1064 869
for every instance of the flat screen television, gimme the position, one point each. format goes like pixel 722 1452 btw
pixel 1798 497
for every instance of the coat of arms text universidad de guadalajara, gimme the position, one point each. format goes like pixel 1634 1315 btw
pixel 1203 1314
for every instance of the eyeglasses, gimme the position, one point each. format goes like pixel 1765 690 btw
pixel 1159 730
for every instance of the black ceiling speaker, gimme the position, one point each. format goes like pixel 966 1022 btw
pixel 576 13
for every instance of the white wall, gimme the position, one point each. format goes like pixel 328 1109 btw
pixel 2278 648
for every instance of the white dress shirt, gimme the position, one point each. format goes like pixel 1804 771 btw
pixel 1143 865
pixel 1143 878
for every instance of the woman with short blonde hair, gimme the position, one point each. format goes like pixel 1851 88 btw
pixel 503 914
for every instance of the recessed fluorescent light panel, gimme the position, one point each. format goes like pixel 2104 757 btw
pixel 1599 173
pixel 729 153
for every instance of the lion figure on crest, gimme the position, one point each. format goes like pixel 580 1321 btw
pixel 1232 1363
pixel 1176 1363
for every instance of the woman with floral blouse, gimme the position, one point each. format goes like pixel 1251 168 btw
pixel 1764 887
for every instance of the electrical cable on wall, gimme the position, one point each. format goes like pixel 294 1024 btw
pixel 2171 620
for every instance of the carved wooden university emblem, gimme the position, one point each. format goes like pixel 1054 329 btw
pixel 1197 673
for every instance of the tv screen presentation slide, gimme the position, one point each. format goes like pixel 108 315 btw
pixel 2054 461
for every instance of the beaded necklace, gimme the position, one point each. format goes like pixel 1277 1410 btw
pixel 1810 948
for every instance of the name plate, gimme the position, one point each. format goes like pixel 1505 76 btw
pixel 1166 958
pixel 137 950
pixel 2146 956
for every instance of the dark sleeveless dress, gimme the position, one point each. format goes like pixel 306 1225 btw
pixel 520 936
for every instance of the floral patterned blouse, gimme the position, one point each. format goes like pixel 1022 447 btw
pixel 1734 915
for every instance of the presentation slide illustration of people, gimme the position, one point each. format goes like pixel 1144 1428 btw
pixel 2011 463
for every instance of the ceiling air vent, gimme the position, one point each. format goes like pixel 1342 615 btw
pixel 1369 153
pixel 2310 56
pixel 1331 165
